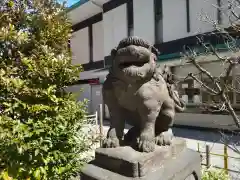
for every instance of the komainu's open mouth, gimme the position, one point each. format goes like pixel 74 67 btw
pixel 127 64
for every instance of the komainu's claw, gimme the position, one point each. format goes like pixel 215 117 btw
pixel 111 143
pixel 146 144
pixel 165 138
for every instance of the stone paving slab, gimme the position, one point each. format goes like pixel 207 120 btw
pixel 129 162
pixel 186 166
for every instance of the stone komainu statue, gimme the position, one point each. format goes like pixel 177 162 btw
pixel 140 93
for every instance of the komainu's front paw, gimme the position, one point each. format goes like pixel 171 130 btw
pixel 146 144
pixel 111 143
pixel 165 138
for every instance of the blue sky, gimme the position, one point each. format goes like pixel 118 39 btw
pixel 69 2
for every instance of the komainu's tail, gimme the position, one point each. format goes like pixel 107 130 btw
pixel 167 75
pixel 180 105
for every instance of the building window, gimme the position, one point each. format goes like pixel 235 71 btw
pixel 90 39
pixel 130 17
pixel 189 92
pixel 200 100
pixel 219 14
pixel 188 15
pixel 69 45
pixel 158 21
pixel 208 98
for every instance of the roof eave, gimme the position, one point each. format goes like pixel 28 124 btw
pixel 76 5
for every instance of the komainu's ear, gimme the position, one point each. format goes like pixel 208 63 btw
pixel 150 48
pixel 165 67
pixel 113 52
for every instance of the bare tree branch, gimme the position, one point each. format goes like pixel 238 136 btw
pixel 202 84
pixel 220 90
pixel 225 84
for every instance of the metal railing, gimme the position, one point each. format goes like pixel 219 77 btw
pixel 97 119
pixel 93 119
pixel 225 156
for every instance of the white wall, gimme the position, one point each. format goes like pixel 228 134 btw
pixel 83 12
pixel 175 18
pixel 202 15
pixel 83 92
pixel 115 27
pixel 184 70
pixel 144 19
pixel 98 41
pixel 226 12
pixel 216 68
pixel 237 70
pixel 80 46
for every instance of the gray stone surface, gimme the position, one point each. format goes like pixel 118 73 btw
pixel 129 162
pixel 166 162
pixel 139 92
pixel 186 166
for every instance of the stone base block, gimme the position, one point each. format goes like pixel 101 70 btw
pixel 174 162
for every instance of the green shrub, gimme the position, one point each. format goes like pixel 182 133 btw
pixel 214 174
pixel 41 125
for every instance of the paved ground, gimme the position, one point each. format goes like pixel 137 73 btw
pixel 214 140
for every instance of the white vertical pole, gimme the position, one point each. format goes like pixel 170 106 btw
pixel 96 117
pixel 234 84
pixel 101 122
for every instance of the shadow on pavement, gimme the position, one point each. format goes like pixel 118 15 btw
pixel 206 135
pixel 201 135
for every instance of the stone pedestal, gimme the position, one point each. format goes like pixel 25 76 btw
pixel 175 162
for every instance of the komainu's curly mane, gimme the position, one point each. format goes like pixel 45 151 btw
pixel 136 41
pixel 135 88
